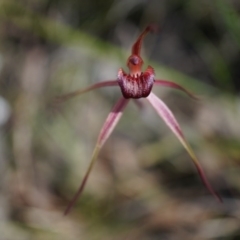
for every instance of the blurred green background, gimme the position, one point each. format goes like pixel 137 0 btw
pixel 144 185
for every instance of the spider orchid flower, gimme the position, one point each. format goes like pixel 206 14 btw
pixel 134 85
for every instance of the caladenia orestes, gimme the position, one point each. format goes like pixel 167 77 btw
pixel 134 85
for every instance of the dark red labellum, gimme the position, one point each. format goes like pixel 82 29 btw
pixel 136 86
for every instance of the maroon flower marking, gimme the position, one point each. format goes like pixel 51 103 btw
pixel 136 85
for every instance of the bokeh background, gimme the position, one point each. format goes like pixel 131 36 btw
pixel 144 185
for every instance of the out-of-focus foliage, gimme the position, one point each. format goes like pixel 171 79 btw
pixel 143 185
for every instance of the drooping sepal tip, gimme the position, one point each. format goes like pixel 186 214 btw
pixel 83 183
pixel 167 83
pixel 200 170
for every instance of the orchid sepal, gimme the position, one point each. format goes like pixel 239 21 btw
pixel 84 181
pixel 108 126
pixel 165 113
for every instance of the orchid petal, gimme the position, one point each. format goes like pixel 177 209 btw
pixel 165 113
pixel 70 95
pixel 110 123
pixel 170 84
